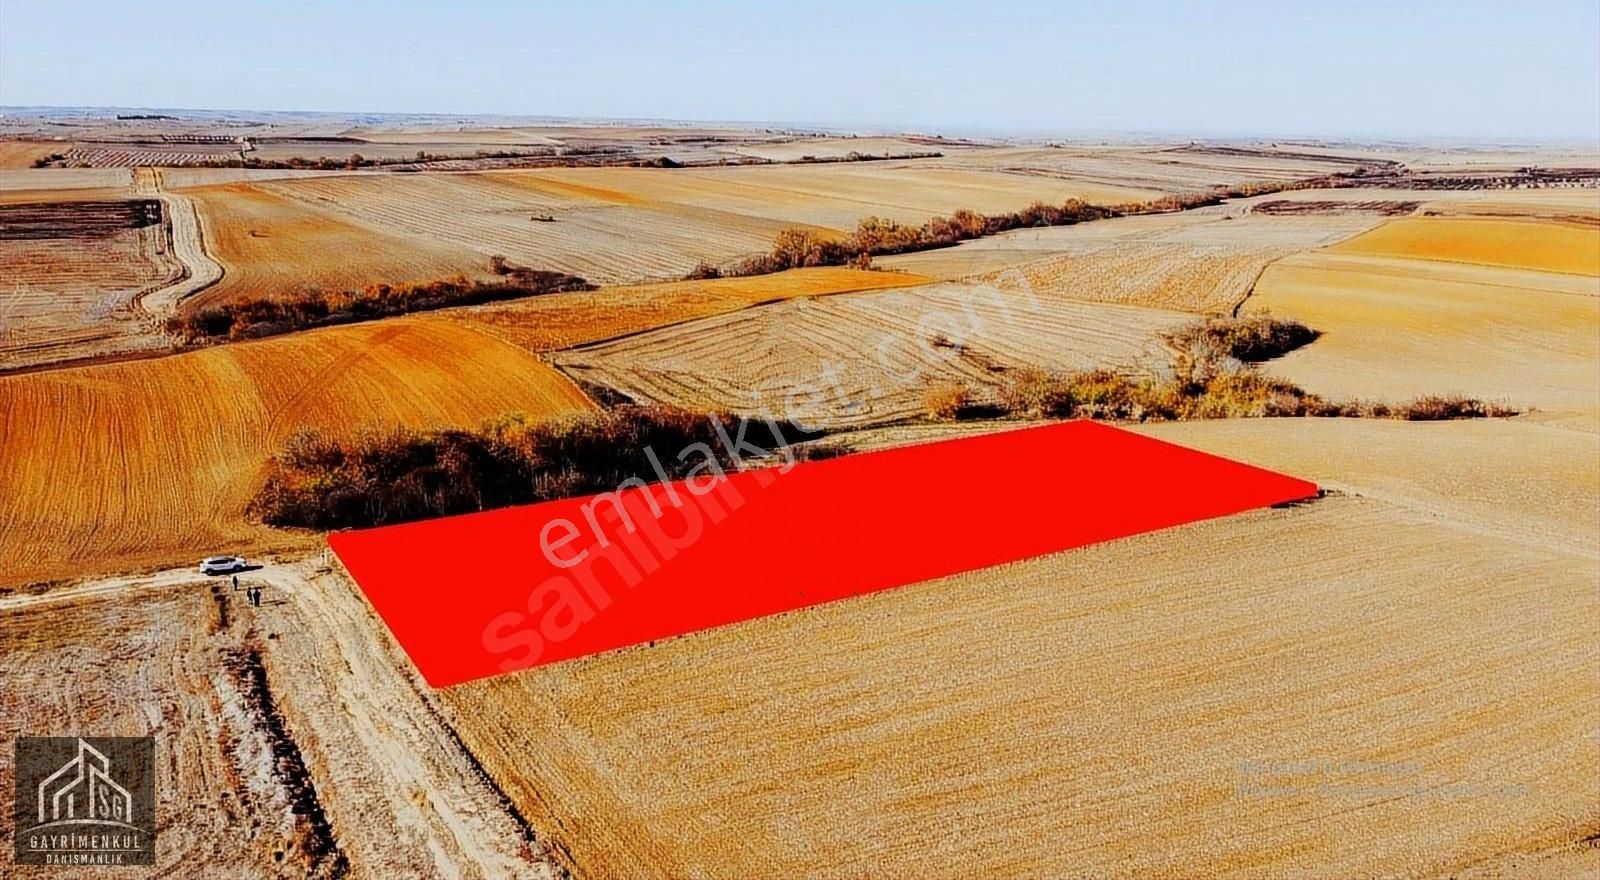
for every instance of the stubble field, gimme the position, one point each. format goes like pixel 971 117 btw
pixel 1264 695
pixel 133 464
pixel 869 358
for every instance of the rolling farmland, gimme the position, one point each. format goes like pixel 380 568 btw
pixel 547 323
pixel 1528 338
pixel 1398 678
pixel 602 234
pixel 269 244
pixel 157 457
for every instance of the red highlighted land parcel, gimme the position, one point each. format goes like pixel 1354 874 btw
pixel 483 594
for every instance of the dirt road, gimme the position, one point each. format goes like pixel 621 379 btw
pixel 292 737
pixel 188 247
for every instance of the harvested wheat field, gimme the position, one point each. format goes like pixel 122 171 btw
pixel 74 272
pixel 291 740
pixel 801 149
pixel 22 154
pixel 15 180
pixel 118 466
pixel 1399 328
pixel 584 225
pixel 611 225
pixel 271 245
pixel 1201 261
pixel 868 357
pixel 1550 246
pixel 1264 695
pixel 838 195
pixel 547 323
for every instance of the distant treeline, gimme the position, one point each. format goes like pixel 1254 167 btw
pixel 354 160
pixel 253 318
pixel 800 247
pixel 370 479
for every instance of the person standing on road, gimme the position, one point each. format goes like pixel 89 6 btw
pixel 236 583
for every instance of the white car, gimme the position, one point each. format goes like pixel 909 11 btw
pixel 222 564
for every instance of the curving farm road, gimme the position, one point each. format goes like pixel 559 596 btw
pixel 188 247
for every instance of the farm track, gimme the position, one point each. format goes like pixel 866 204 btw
pixel 294 728
pixel 188 247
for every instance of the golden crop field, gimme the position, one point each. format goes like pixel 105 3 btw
pixel 1551 246
pixel 1399 678
pixel 584 227
pixel 1527 338
pixel 269 244
pixel 156 458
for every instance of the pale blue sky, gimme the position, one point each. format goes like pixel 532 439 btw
pixel 1407 69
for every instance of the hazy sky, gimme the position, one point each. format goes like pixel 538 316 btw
pixel 1529 69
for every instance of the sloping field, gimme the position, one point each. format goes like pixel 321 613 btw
pixel 584 226
pixel 1197 261
pixel 1548 246
pixel 269 244
pixel 868 357
pixel 611 225
pixel 1397 682
pixel 839 195
pixel 122 465
pixel 547 323
pixel 1399 328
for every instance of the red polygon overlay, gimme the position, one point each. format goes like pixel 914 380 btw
pixel 477 595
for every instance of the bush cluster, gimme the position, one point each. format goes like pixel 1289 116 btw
pixel 1211 378
pixel 1251 339
pixel 1243 393
pixel 375 478
pixel 253 318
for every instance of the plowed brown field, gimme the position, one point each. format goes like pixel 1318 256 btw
pixel 122 465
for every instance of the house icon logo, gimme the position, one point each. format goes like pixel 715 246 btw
pixel 83 790
pixel 85 800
